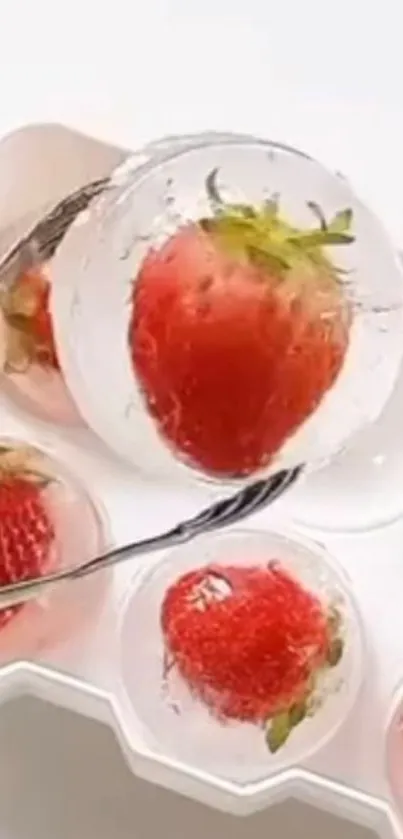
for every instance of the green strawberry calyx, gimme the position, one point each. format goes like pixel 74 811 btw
pixel 263 237
pixel 279 727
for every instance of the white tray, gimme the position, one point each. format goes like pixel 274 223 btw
pixel 348 776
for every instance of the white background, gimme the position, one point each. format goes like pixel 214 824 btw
pixel 327 77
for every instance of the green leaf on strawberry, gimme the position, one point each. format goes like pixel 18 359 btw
pixel 298 712
pixel 278 732
pixel 263 236
pixel 279 728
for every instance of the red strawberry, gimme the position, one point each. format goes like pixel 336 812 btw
pixel 26 532
pixel 247 640
pixel 250 642
pixel 240 325
pixel 30 333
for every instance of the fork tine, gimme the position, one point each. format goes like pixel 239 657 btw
pixel 41 242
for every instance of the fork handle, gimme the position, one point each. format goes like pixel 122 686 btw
pixel 219 515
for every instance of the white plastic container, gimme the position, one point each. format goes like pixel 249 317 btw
pixel 347 777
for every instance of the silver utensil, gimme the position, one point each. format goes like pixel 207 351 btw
pixel 219 515
pixel 39 244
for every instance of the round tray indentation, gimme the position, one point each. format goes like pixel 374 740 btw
pixel 180 725
pixel 80 533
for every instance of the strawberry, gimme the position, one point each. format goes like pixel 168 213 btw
pixel 30 333
pixel 26 531
pixel 249 642
pixel 239 326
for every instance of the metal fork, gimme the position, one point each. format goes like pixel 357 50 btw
pixel 219 515
pixel 40 243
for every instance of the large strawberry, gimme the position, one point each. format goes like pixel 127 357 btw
pixel 250 642
pixel 240 325
pixel 26 531
pixel 25 307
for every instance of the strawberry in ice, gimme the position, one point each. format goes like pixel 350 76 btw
pixel 27 535
pixel 251 642
pixel 240 325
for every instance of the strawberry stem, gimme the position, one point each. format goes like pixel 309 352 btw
pixel 318 213
pixel 212 190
